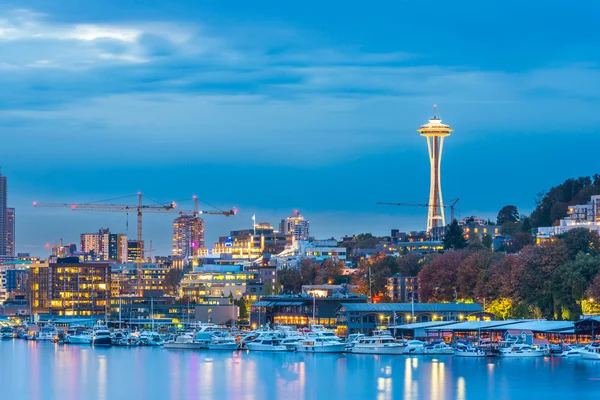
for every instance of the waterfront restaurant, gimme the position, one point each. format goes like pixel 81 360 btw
pixel 297 310
pixel 364 318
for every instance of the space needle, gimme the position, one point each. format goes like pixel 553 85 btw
pixel 435 132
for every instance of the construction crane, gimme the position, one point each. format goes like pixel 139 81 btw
pixel 140 209
pixel 451 206
pixel 59 249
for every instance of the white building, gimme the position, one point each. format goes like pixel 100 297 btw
pixel 578 216
pixel 296 226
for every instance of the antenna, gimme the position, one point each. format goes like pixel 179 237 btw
pixel 434 110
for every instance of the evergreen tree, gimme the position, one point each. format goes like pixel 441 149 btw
pixel 453 238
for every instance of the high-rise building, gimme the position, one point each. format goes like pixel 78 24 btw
pixel 435 132
pixel 135 250
pixel 10 232
pixel 188 236
pixel 295 225
pixel 3 215
pixel 104 246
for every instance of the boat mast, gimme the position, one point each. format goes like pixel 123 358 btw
pixel 152 310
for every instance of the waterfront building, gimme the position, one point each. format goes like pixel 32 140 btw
pixel 69 288
pixel 295 226
pixel 435 132
pixel 578 216
pixel 208 282
pixel 366 317
pixel 154 277
pixel 298 310
pixel 402 289
pixel 188 236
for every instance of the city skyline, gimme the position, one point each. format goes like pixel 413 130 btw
pixel 201 99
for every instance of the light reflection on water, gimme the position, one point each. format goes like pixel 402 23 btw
pixel 56 372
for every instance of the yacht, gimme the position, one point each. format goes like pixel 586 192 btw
pixel 439 348
pixel 6 332
pixel 377 345
pixel 591 352
pixel 571 351
pixel 185 341
pixel 47 332
pixel 101 337
pixel 467 350
pixel 79 338
pixel 151 339
pixel 125 339
pixel 319 344
pixel 521 350
pixel 414 347
pixel 223 343
pixel 266 342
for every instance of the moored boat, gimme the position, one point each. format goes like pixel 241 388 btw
pixel 438 349
pixel 80 338
pixel 266 342
pixel 591 352
pixel 223 343
pixel 318 344
pixel 521 350
pixel 101 337
pixel 464 350
pixel 183 342
pixel 377 345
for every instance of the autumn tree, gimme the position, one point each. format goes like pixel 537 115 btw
pixel 409 265
pixel 437 279
pixel 581 240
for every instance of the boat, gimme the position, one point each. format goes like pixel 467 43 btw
pixel 152 339
pixel 6 332
pixel 183 342
pixel 79 338
pixel 47 332
pixel 320 344
pixel 521 350
pixel 591 352
pixel 266 342
pixel 571 351
pixel 101 337
pixel 438 348
pixel 124 338
pixel 414 347
pixel 223 343
pixel 377 345
pixel 467 350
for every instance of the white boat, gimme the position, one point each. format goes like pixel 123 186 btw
pixel 439 348
pixel 521 350
pixel 6 332
pixel 571 351
pixel 319 344
pixel 414 347
pixel 463 350
pixel 266 342
pixel 101 337
pixel 81 338
pixel 591 352
pixel 377 345
pixel 223 343
pixel 151 339
pixel 47 332
pixel 185 341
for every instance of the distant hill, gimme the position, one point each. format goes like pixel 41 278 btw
pixel 553 204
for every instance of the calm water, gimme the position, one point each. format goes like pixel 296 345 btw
pixel 46 371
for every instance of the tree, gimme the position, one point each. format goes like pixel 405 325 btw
pixel 172 278
pixel 437 279
pixel 487 241
pixel 518 241
pixel 571 281
pixel 581 240
pixel 501 308
pixel 526 224
pixel 409 265
pixel 243 307
pixel 453 238
pixel 507 214
pixel 291 280
pixel 471 271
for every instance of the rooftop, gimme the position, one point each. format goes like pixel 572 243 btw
pixel 418 307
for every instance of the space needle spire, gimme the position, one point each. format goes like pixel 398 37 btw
pixel 435 132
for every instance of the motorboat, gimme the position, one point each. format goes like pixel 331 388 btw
pixel 414 347
pixel 183 342
pixel 101 337
pixel 521 350
pixel 79 338
pixel 47 332
pixel 439 348
pixel 467 350
pixel 125 339
pixel 571 351
pixel 266 342
pixel 377 345
pixel 591 352
pixel 6 332
pixel 319 344
pixel 223 343
pixel 152 339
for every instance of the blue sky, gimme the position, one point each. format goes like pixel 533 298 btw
pixel 274 106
